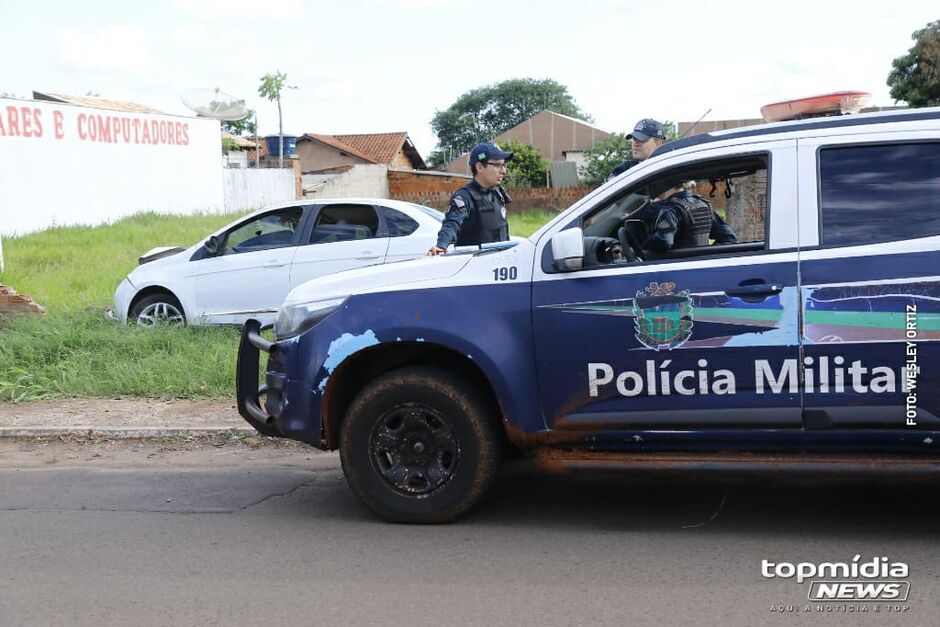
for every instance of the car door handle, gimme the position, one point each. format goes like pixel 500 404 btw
pixel 760 289
pixel 274 265
pixel 368 255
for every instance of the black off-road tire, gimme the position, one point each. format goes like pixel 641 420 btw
pixel 404 414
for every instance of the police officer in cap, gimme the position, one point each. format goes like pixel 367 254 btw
pixel 647 136
pixel 477 211
pixel 680 219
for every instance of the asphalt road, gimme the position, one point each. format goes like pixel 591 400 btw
pixel 121 534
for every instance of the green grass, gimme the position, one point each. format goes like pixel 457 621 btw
pixel 527 223
pixel 83 354
pixel 73 351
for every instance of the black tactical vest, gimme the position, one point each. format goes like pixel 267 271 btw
pixel 696 220
pixel 486 221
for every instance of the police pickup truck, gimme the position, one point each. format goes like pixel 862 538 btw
pixel 810 345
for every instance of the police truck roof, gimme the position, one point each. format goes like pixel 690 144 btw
pixel 758 130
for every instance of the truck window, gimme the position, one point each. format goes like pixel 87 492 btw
pixel 880 193
pixel 735 188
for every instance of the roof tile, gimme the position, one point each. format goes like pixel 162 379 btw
pixel 89 101
pixel 379 147
pixel 332 140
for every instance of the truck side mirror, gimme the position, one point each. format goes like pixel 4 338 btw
pixel 568 249
pixel 212 245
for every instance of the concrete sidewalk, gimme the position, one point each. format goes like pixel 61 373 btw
pixel 121 418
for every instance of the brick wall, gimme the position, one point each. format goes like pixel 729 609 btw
pixel 434 189
pixel 401 161
pixel 524 199
pixel 13 302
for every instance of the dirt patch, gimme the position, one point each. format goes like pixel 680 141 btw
pixel 118 413
pixel 224 448
pixel 217 450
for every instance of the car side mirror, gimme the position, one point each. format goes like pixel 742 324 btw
pixel 212 245
pixel 568 249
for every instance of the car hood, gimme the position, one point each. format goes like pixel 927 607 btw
pixel 158 266
pixel 159 252
pixel 378 278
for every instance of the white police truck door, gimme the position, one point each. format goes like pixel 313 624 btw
pixel 870 267
pixel 705 340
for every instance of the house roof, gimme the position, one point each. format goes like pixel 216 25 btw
pixel 373 147
pixel 90 101
pixel 331 140
pixel 380 147
pixel 542 115
pixel 240 142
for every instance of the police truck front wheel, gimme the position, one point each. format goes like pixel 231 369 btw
pixel 418 445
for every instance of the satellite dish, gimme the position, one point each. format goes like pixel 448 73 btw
pixel 215 104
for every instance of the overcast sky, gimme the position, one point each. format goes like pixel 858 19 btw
pixel 364 66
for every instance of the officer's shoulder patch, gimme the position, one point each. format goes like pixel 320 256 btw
pixel 460 202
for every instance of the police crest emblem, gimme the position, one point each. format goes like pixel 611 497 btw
pixel 663 318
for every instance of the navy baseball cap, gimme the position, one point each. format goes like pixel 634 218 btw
pixel 647 128
pixel 486 151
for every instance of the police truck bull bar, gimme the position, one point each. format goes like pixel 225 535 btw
pixel 247 389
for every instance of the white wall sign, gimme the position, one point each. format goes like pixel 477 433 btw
pixel 63 164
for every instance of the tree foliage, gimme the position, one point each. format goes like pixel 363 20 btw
pixel 600 160
pixel 483 113
pixel 527 168
pixel 245 126
pixel 228 145
pixel 271 87
pixel 915 76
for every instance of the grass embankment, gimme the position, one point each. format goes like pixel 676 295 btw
pixel 74 351
pixel 525 224
pixel 83 354
pixel 68 269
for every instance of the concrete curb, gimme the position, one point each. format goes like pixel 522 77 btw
pixel 121 433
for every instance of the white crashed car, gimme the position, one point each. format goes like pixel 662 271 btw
pixel 246 269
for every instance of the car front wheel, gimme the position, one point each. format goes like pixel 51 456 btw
pixel 157 309
pixel 418 446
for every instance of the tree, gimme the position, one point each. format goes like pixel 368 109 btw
pixel 245 126
pixel 271 87
pixel 483 113
pixel 915 77
pixel 527 168
pixel 228 145
pixel 600 160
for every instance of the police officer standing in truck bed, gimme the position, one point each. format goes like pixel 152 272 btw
pixel 477 211
pixel 647 136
